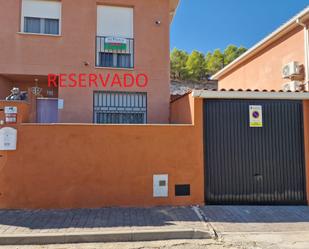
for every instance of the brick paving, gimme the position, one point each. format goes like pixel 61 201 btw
pixel 239 226
pixel 258 218
pixel 224 219
pixel 103 219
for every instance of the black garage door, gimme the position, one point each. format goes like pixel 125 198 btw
pixel 260 165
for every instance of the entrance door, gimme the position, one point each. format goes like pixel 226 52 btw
pixel 260 165
pixel 47 110
pixel 120 108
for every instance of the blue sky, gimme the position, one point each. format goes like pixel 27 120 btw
pixel 205 25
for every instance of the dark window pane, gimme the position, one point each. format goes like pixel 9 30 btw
pixel 51 26
pixel 124 60
pixel 32 25
pixel 106 60
pixel 116 108
pixel 119 118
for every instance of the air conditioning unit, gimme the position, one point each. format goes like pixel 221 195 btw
pixel 291 69
pixel 292 86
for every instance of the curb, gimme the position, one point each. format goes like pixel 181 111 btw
pixel 94 237
pixel 203 218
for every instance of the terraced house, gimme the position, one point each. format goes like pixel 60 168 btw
pixel 87 61
pixel 77 69
pixel 122 43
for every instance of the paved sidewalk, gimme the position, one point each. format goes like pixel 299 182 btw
pixel 100 225
pixel 275 226
pixel 107 219
pixel 225 219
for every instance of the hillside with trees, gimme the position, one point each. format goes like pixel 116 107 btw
pixel 198 66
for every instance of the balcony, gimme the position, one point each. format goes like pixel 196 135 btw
pixel 114 52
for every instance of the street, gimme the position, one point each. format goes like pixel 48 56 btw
pixel 172 244
pixel 235 241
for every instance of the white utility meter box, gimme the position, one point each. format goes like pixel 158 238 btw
pixel 160 185
pixel 8 138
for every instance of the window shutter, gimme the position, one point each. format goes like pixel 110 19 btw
pixel 115 21
pixel 41 9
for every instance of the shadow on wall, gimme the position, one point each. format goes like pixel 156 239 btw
pixel 182 110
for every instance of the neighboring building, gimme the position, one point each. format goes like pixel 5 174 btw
pixel 263 66
pixel 124 38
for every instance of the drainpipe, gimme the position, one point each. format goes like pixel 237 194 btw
pixel 306 40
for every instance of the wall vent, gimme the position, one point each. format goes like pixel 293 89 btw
pixel 182 190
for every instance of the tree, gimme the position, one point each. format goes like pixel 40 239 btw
pixel 215 62
pixel 196 66
pixel 241 50
pixel 178 64
pixel 232 52
pixel 207 64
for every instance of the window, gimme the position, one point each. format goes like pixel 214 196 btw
pixel 106 59
pixel 41 17
pixel 41 25
pixel 120 108
pixel 123 60
pixel 114 43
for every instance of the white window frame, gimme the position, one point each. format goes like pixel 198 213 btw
pixel 108 31
pixel 22 23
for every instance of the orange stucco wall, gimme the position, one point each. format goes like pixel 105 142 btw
pixel 24 54
pixel 74 166
pixel 263 71
pixel 306 142
pixel 5 88
pixel 182 110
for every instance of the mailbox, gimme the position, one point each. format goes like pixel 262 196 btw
pixel 10 114
pixel 8 138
